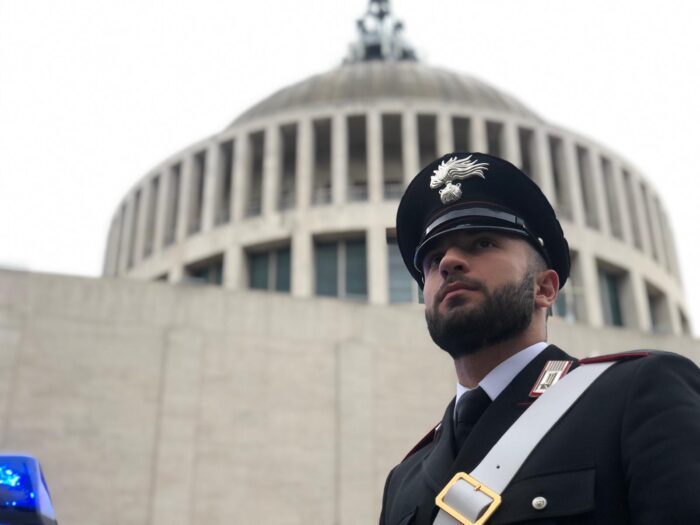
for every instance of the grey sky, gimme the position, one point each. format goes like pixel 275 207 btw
pixel 95 93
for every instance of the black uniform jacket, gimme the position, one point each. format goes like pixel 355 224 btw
pixel 627 452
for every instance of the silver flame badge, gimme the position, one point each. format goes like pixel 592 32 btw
pixel 453 170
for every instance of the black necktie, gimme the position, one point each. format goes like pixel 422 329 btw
pixel 469 409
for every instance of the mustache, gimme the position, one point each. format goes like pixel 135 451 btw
pixel 468 282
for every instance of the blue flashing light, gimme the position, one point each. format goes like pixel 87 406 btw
pixel 23 492
pixel 8 476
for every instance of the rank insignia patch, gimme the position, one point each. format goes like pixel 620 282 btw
pixel 552 372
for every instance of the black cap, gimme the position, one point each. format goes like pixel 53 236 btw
pixel 475 191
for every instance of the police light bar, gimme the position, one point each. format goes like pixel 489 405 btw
pixel 24 497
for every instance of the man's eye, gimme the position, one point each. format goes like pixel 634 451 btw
pixel 484 243
pixel 432 261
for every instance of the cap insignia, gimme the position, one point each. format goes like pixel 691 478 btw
pixel 452 170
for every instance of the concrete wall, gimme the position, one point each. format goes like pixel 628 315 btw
pixel 153 404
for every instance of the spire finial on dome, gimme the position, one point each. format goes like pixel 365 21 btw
pixel 380 36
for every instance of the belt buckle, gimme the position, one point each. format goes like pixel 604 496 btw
pixel 478 487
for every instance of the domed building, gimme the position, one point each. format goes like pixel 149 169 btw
pixel 299 193
pixel 285 391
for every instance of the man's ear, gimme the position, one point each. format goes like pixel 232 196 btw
pixel 546 288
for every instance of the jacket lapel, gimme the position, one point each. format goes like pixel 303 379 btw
pixel 441 464
pixel 502 413
pixel 441 457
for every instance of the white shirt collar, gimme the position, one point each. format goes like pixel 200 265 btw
pixel 500 377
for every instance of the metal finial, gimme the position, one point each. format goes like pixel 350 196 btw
pixel 380 36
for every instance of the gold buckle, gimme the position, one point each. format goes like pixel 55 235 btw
pixel 479 487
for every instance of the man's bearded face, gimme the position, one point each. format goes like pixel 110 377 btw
pixel 465 328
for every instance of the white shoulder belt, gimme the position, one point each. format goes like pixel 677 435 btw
pixel 470 499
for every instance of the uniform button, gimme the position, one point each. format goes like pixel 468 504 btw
pixel 539 503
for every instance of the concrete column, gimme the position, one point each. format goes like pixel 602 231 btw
pixel 339 159
pixel 304 166
pixel 212 185
pixel 302 264
pixel 162 211
pixel 241 177
pixel 409 148
pixel 445 138
pixel 235 274
pixel 375 180
pixel 378 265
pixel 621 201
pixel 271 171
pixel 543 165
pixel 588 269
pixel 176 274
pixel 511 143
pixel 572 184
pixel 478 134
pixel 635 303
pixel 599 193
pixel 185 211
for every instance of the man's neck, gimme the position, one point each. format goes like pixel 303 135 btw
pixel 472 368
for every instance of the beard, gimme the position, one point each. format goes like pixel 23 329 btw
pixel 504 313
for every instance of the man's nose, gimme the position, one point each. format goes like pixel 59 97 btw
pixel 453 261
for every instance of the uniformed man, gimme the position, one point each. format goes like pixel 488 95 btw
pixel 612 440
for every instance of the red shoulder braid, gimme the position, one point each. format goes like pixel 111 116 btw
pixel 622 356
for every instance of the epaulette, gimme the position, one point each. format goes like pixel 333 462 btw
pixel 621 356
pixel 426 440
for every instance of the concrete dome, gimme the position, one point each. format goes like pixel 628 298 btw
pixel 363 81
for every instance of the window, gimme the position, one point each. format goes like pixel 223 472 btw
pixel 393 156
pixel 270 269
pixel 526 140
pixel 131 255
pixel 256 144
pixel 151 216
pixel 206 271
pixel 632 205
pixel 611 198
pixel 173 204
pixel 646 211
pixel 341 268
pixel 322 162
pixel 197 198
pixel 357 158
pixel 224 183
pixel 494 138
pixel 427 139
pixel 685 325
pixel 570 305
pixel 665 236
pixel 287 195
pixel 402 287
pixel 461 133
pixel 611 284
pixel 659 315
pixel 583 161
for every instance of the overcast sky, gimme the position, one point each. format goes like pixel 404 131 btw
pixel 95 93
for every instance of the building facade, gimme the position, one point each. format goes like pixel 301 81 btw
pixel 299 193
